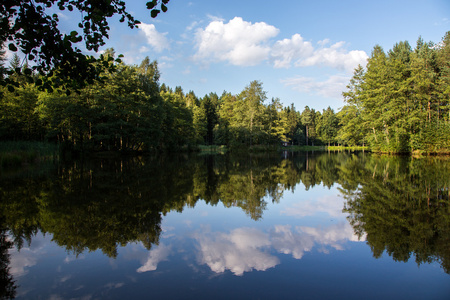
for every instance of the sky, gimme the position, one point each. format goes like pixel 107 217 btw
pixel 303 52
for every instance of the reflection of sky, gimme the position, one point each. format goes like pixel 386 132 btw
pixel 20 262
pixel 328 204
pixel 245 249
pixel 239 251
pixel 226 239
pixel 155 256
pixel 205 240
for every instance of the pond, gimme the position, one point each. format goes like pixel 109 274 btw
pixel 261 226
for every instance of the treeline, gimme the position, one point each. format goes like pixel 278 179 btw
pixel 398 103
pixel 401 101
pixel 128 110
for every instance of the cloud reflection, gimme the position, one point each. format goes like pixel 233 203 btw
pixel 155 256
pixel 27 257
pixel 240 251
pixel 246 249
pixel 331 205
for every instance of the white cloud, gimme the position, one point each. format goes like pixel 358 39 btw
pixel 301 53
pixel 238 42
pixel 192 26
pixel 239 251
pixel 242 43
pixel 144 49
pixel 63 16
pixel 288 50
pixel 336 57
pixel 332 87
pixel 155 39
pixel 155 256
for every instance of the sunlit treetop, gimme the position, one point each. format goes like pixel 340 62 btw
pixel 29 27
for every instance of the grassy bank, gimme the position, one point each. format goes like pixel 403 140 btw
pixel 345 148
pixel 22 153
pixel 212 149
pixel 304 148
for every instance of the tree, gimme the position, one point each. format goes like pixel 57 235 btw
pixel 276 120
pixel 292 124
pixel 329 126
pixel 28 27
pixel 307 117
pixel 247 114
pixel 208 106
pixel 352 131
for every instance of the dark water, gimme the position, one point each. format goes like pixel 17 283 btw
pixel 294 226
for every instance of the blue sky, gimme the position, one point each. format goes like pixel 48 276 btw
pixel 304 52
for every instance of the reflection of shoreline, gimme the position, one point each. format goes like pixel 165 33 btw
pixel 247 249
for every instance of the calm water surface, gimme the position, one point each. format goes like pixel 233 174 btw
pixel 286 226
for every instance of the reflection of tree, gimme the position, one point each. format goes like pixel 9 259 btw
pixel 7 284
pixel 402 204
pixel 103 204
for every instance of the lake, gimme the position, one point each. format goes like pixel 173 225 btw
pixel 255 226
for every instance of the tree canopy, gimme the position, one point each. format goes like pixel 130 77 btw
pixel 29 27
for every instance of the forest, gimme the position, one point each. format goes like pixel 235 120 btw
pixel 398 103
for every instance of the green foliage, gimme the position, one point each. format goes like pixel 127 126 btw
pixel 399 103
pixel 13 154
pixel 53 51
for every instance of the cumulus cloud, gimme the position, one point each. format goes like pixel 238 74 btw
pixel 238 42
pixel 332 87
pixel 155 256
pixel 242 43
pixel 287 50
pixel 239 251
pixel 300 53
pixel 155 39
pixel 335 56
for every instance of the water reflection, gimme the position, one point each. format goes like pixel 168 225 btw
pixel 246 249
pixel 397 205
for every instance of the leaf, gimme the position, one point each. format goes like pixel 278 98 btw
pixel 10 89
pixel 154 13
pixel 151 4
pixel 163 8
pixel 12 47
